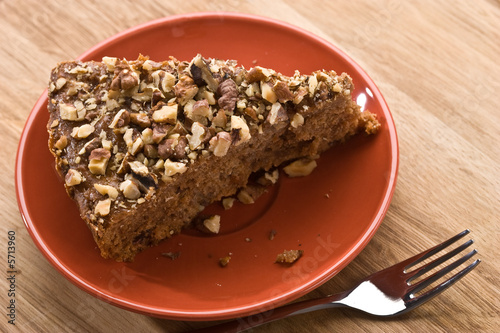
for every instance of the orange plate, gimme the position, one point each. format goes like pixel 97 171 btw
pixel 331 214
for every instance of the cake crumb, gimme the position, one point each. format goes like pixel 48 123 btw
pixel 272 234
pixel 171 255
pixel 224 261
pixel 289 256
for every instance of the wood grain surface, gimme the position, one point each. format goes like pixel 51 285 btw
pixel 437 65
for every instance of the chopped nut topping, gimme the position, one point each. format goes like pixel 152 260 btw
pixel 60 82
pixel 73 178
pixel 130 190
pixel 110 63
pixel 201 108
pixel 200 71
pixel 313 84
pixel 185 89
pixel 220 120
pixel 196 139
pixel 140 119
pixel 147 136
pixel 103 207
pixel 299 95
pixel 148 121
pixel 220 144
pixel 124 80
pixel 68 112
pixel 268 93
pixel 229 95
pixel 121 119
pixel 139 168
pixel 82 131
pixel 98 161
pixel 172 168
pixel 61 143
pixel 166 114
pixel 239 124
pixel 277 114
pixel 108 190
pixel 257 74
pixel 282 92
pixel 54 123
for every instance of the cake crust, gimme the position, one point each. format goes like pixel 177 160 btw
pixel 144 146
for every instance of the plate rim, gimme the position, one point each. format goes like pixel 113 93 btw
pixel 232 312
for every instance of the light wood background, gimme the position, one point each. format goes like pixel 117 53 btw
pixel 437 64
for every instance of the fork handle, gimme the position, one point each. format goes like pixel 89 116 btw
pixel 289 310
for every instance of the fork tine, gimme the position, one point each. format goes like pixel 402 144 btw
pixel 408 263
pixel 438 261
pixel 439 274
pixel 415 301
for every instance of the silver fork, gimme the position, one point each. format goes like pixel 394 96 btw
pixel 389 292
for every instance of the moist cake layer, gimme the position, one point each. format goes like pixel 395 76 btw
pixel 144 146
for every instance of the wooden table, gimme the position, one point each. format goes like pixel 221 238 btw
pixel 436 64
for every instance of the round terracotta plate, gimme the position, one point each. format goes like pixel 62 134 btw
pixel 330 215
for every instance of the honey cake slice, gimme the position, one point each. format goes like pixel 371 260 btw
pixel 143 146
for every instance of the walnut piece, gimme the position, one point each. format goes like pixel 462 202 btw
pixel 103 207
pixel 108 190
pixel 121 119
pixel 257 73
pixel 195 140
pixel 68 112
pixel 83 131
pixel 239 125
pixel 229 95
pixel 228 203
pixel 124 80
pixel 267 92
pixel 200 71
pixel 299 95
pixel 165 114
pixel 73 177
pixel 130 190
pixel 244 197
pixel 138 168
pixel 220 144
pixel 98 161
pixel 185 89
pixel 166 148
pixel 212 224
pixel 300 168
pixel 277 114
pixel 61 143
pixel 172 168
pixel 201 108
pixel 282 92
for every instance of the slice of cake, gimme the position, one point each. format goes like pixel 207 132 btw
pixel 144 146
